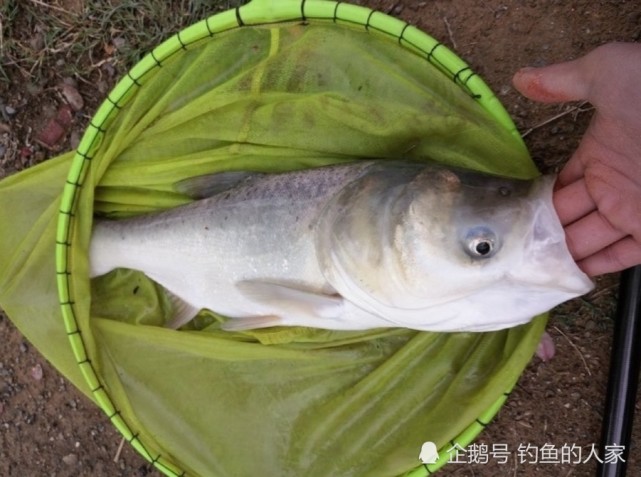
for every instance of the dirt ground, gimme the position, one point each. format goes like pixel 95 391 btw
pixel 47 428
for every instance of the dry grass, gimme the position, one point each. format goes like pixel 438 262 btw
pixel 77 37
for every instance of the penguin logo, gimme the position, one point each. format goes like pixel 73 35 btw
pixel 429 453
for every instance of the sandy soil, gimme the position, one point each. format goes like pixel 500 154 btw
pixel 48 429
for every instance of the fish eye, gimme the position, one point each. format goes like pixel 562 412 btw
pixel 480 242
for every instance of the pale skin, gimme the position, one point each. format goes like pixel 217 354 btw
pixel 598 192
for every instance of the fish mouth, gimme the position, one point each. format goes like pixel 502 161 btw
pixel 548 262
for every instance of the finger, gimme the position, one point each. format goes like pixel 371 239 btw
pixel 553 84
pixel 574 169
pixel 590 234
pixel 620 255
pixel 573 202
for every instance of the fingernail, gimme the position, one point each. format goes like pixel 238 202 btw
pixel 525 69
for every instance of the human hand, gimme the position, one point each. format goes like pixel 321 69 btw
pixel 598 192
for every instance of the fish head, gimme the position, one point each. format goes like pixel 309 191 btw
pixel 441 249
pixel 494 245
pixel 509 228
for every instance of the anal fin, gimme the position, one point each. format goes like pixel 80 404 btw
pixel 251 323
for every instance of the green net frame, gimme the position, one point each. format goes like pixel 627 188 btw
pixel 258 12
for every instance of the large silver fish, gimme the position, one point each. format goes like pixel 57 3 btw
pixel 356 246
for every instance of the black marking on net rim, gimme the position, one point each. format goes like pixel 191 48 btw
pixel 211 32
pixel 156 60
pixel 369 19
pixel 180 40
pixel 458 79
pixel 302 10
pixel 86 156
pixel 135 80
pixel 113 103
pixel 400 37
pixel 483 424
pixel 335 14
pixel 98 128
pixel 429 472
pixel 239 19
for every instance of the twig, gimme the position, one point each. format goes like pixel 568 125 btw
pixel 448 27
pixel 53 7
pixel 119 451
pixel 576 348
pixel 576 109
pixel 1 38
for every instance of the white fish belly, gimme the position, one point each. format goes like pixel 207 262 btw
pixel 201 252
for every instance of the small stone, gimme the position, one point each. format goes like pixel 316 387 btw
pixel 36 372
pixel 37 41
pixel 72 96
pixel 10 110
pixel 70 81
pixel 39 156
pixel 109 69
pixel 56 128
pixel 102 86
pixel 546 349
pixel 34 89
pixel 23 348
pixel 64 116
pixel 119 42
pixel 70 459
pixel 51 134
pixel 74 139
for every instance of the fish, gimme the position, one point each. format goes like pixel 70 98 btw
pixel 353 246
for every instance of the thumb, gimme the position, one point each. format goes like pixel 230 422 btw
pixel 553 84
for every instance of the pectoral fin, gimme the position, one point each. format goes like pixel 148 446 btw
pixel 183 312
pixel 289 306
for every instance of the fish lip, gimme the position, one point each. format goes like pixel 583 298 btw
pixel 575 285
pixel 547 243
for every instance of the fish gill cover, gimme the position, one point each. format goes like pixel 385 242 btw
pixel 289 401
